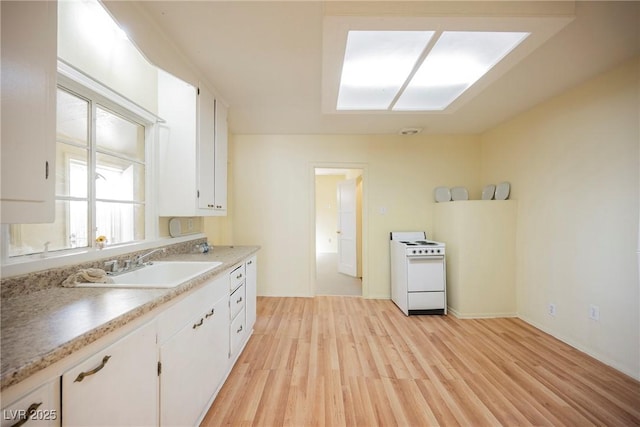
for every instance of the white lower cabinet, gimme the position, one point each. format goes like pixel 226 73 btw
pixel 238 331
pixel 193 364
pixel 117 386
pixel 166 372
pixel 39 408
pixel 251 291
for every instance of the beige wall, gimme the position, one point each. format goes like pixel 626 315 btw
pixel 273 197
pixel 481 269
pixel 573 165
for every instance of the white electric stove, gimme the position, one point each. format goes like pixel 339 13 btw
pixel 418 273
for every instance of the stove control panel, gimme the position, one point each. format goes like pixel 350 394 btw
pixel 428 251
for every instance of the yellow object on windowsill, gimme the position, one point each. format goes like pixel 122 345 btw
pixel 101 241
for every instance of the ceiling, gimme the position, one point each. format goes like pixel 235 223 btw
pixel 266 59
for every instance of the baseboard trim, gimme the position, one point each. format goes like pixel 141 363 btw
pixel 460 315
pixel 596 355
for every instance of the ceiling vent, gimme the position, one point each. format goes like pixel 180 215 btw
pixel 410 131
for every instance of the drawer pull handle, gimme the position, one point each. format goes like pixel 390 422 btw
pixel 211 313
pixel 239 330
pixel 196 325
pixel 27 414
pixel 239 300
pixel 250 262
pixel 239 276
pixel 82 375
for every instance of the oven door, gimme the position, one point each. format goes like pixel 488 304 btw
pixel 425 273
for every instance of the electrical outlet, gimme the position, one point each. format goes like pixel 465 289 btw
pixel 552 309
pixel 594 312
pixel 190 224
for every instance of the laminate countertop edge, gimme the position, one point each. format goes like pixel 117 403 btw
pixel 42 328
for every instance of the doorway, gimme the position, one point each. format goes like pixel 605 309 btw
pixel 338 220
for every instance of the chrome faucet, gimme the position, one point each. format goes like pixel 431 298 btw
pixel 138 260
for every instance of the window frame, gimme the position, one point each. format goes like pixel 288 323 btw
pixel 80 84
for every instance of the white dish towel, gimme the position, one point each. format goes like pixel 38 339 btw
pixel 87 275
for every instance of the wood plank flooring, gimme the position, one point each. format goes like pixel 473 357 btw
pixel 346 361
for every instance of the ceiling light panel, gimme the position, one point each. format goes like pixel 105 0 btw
pixel 458 59
pixel 376 65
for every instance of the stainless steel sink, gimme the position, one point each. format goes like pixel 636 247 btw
pixel 159 274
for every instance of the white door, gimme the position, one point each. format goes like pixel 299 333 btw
pixel 347 259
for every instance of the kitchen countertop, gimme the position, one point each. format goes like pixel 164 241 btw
pixel 41 328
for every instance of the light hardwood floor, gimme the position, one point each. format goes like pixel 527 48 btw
pixel 338 361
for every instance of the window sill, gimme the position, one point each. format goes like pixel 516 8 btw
pixel 32 263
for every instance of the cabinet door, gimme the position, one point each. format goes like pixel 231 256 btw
pixel 177 147
pixel 194 362
pixel 206 149
pixel 251 285
pixel 40 407
pixel 220 158
pixel 28 76
pixel 117 386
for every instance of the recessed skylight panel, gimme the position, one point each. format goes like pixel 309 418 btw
pixel 457 60
pixel 376 65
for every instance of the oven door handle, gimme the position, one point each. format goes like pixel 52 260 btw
pixel 417 257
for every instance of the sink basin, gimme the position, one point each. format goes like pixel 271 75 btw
pixel 160 274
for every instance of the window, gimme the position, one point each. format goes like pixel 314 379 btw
pixel 100 178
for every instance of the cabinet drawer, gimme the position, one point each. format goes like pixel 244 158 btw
pixel 237 301
pixel 426 300
pixel 237 332
pixel 236 277
pixel 43 404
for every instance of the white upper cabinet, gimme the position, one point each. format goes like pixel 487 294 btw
pixel 29 55
pixel 177 147
pixel 220 161
pixel 212 152
pixel 192 178
pixel 206 149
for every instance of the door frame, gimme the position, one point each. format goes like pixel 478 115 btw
pixel 312 221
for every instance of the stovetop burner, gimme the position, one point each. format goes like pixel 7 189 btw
pixel 425 243
pixel 419 243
